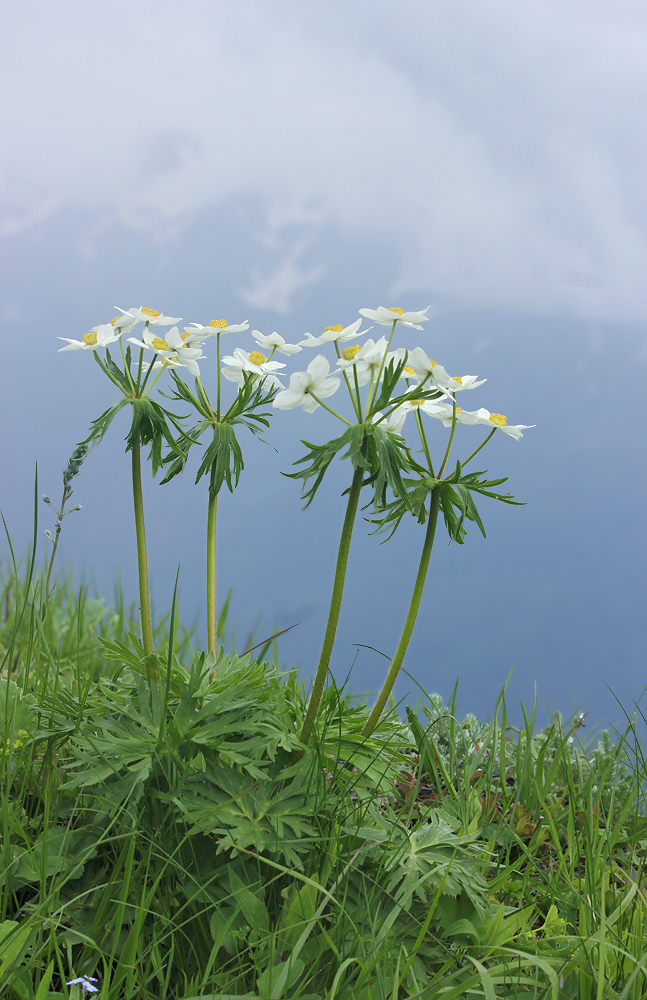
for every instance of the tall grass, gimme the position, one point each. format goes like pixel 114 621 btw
pixel 185 843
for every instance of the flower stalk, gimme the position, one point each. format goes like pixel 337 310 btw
pixel 212 617
pixel 142 558
pixel 335 605
pixel 414 607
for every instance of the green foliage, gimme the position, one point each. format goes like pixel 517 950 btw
pixel 456 501
pixel 223 457
pixel 180 842
pixel 151 423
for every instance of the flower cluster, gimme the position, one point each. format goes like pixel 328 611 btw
pixel 366 364
pixel 357 364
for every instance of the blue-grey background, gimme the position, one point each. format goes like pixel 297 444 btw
pixel 288 164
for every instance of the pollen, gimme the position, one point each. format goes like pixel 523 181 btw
pixel 351 352
pixel 153 313
pixel 113 321
pixel 457 378
pixel 159 344
pixel 256 358
pixel 185 336
pixel 89 339
pixel 409 371
pixel 333 329
pixel 218 324
pixel 432 363
pixel 459 409
pixel 417 402
pixel 499 419
pixel 396 309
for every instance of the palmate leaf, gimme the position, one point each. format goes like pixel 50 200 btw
pixel 383 455
pixel 456 502
pixel 223 458
pixel 150 425
pixel 99 426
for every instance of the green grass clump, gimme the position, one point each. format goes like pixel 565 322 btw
pixel 179 841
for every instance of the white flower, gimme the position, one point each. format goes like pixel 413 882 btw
pixel 365 360
pixel 302 384
pixel 255 363
pixel 99 336
pixel 151 316
pixel 172 349
pixel 498 420
pixel 85 982
pixel 216 326
pixel 275 342
pixel 335 334
pixel 386 317
pixel 421 366
pixel 395 422
pixel 432 407
pixel 123 322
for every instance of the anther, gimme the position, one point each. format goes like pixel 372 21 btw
pixel 256 358
pixel 218 324
pixel 89 339
pixel 499 419
pixel 333 329
pixel 159 344
pixel 351 352
pixel 149 312
pixel 395 309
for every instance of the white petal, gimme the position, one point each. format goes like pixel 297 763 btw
pixel 288 399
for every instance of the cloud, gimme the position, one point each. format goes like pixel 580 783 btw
pixel 498 151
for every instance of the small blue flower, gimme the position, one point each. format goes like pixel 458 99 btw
pixel 85 982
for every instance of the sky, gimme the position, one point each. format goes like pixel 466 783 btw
pixel 288 164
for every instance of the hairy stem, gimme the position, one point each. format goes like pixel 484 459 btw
pixel 142 559
pixel 403 644
pixel 212 620
pixel 335 605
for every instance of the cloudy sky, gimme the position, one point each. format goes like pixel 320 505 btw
pixel 289 163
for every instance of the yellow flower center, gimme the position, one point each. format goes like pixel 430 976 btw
pixel 159 344
pixel 334 329
pixel 409 371
pixel 456 378
pixel 149 312
pixel 498 419
pixel 395 309
pixel 185 336
pixel 115 320
pixel 459 409
pixel 351 352
pixel 257 358
pixel 218 324
pixel 89 339
pixel 417 402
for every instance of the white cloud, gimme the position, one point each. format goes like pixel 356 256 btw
pixel 499 147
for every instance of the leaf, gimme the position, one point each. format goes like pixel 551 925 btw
pixel 268 980
pixel 223 458
pixel 384 457
pixel 253 907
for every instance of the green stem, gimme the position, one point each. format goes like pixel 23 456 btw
pixel 373 390
pixel 449 443
pixel 212 620
pixel 335 605
pixel 482 445
pixel 423 440
pixel 142 560
pixel 218 366
pixel 403 644
pixel 353 399
pixel 330 410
